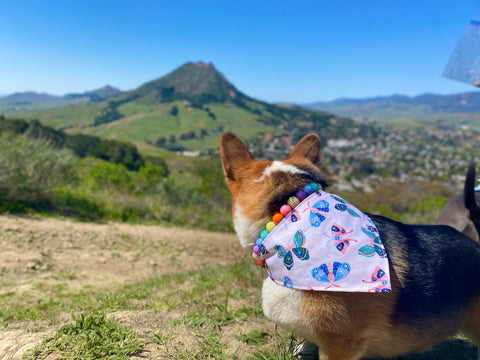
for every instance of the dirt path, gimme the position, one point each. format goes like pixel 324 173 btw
pixel 84 255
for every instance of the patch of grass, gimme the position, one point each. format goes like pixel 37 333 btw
pixel 215 314
pixel 68 274
pixel 89 337
pixel 202 289
pixel 254 337
pixel 281 351
pixel 210 347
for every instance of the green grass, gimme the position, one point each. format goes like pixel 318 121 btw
pixel 64 117
pixel 254 337
pixel 215 314
pixel 203 292
pixel 146 122
pixel 89 337
pixel 202 297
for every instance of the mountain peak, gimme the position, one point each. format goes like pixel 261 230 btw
pixel 208 65
pixel 196 82
pixel 105 91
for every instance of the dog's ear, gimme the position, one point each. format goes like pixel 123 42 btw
pixel 234 154
pixel 308 147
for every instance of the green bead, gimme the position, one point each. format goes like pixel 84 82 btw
pixel 264 234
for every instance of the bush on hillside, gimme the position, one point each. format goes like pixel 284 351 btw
pixel 82 145
pixel 30 170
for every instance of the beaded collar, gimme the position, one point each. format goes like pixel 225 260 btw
pixel 285 211
pixel 318 241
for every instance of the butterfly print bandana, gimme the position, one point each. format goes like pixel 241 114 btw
pixel 327 244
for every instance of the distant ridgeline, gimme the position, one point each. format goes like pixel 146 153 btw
pixel 80 144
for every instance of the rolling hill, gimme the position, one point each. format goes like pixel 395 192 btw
pixel 186 109
pixel 30 101
pixel 452 110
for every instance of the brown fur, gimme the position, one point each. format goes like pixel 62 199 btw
pixel 348 326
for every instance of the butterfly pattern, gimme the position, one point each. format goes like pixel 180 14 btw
pixel 344 206
pixel 343 248
pixel 379 277
pixel 287 253
pixel 375 246
pixel 292 217
pixel 338 232
pixel 331 273
pixel 318 212
pixel 287 282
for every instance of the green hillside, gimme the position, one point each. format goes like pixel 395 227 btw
pixel 187 109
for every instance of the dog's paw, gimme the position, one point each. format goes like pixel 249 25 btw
pixel 305 351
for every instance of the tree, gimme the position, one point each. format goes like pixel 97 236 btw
pixel 174 110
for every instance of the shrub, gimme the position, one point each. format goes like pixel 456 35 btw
pixel 29 170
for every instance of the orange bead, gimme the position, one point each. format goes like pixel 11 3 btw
pixel 277 218
pixel 260 263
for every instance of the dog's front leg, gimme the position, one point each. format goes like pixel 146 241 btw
pixel 281 304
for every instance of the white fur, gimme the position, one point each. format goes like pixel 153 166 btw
pixel 279 166
pixel 246 230
pixel 281 304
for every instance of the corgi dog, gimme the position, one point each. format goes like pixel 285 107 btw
pixel 462 211
pixel 434 270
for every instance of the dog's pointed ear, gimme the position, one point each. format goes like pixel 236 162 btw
pixel 308 147
pixel 234 154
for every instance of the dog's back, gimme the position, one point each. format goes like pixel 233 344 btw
pixel 436 295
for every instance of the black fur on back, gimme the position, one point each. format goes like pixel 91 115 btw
pixel 470 198
pixel 441 267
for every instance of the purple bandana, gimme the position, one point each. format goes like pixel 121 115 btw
pixel 327 244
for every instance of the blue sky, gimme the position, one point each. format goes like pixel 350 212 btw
pixel 293 51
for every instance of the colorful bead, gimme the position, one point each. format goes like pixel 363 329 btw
pixel 293 201
pixel 260 263
pixel 270 226
pixel 285 210
pixel 301 195
pixel 308 189
pixel 264 234
pixel 277 218
pixel 256 257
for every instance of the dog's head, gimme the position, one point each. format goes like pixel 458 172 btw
pixel 259 188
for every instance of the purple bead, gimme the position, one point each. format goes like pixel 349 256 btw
pixel 301 195
pixel 257 250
